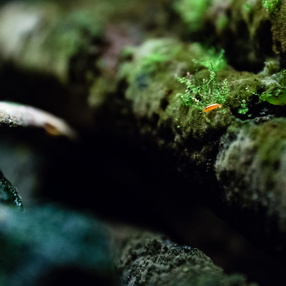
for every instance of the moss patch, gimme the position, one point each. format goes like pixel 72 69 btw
pixel 155 95
pixel 251 167
pixel 150 259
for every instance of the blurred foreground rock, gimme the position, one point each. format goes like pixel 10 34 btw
pixel 49 245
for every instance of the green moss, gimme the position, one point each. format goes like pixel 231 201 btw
pixel 76 30
pixel 253 163
pixel 271 150
pixel 274 89
pixel 201 92
pixel 148 73
pixel 169 264
pixel 271 5
pixel 153 54
pixel 57 32
pixel 161 55
pixel 247 6
pixel 70 34
pixel 243 107
pixel 153 88
pixel 212 60
pixel 278 21
pixel 192 12
pixel 198 14
pixel 277 97
pixel 244 88
pixel 221 23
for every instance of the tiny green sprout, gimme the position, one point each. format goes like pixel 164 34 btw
pixel 243 107
pixel 270 5
pixel 201 92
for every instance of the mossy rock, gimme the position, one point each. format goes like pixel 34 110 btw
pixel 251 167
pixel 152 259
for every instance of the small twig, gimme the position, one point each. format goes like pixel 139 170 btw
pixel 18 115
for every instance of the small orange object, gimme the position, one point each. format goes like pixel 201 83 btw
pixel 212 106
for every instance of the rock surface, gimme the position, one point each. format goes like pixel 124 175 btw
pixel 202 83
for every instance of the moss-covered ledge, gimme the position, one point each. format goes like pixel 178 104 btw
pixel 251 170
pixel 167 88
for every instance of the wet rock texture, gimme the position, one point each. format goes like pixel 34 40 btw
pixel 136 82
pixel 152 259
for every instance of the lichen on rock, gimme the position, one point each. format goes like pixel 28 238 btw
pixel 152 259
pixel 251 167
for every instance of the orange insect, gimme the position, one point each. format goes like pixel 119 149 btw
pixel 212 106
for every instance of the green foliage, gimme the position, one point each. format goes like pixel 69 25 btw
pixel 276 98
pixel 243 107
pixel 247 6
pixel 155 58
pixel 152 60
pixel 270 5
pixel 276 91
pixel 244 110
pixel 213 61
pixel 192 12
pixel 221 22
pixel 201 92
pixel 153 55
pixel 74 31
